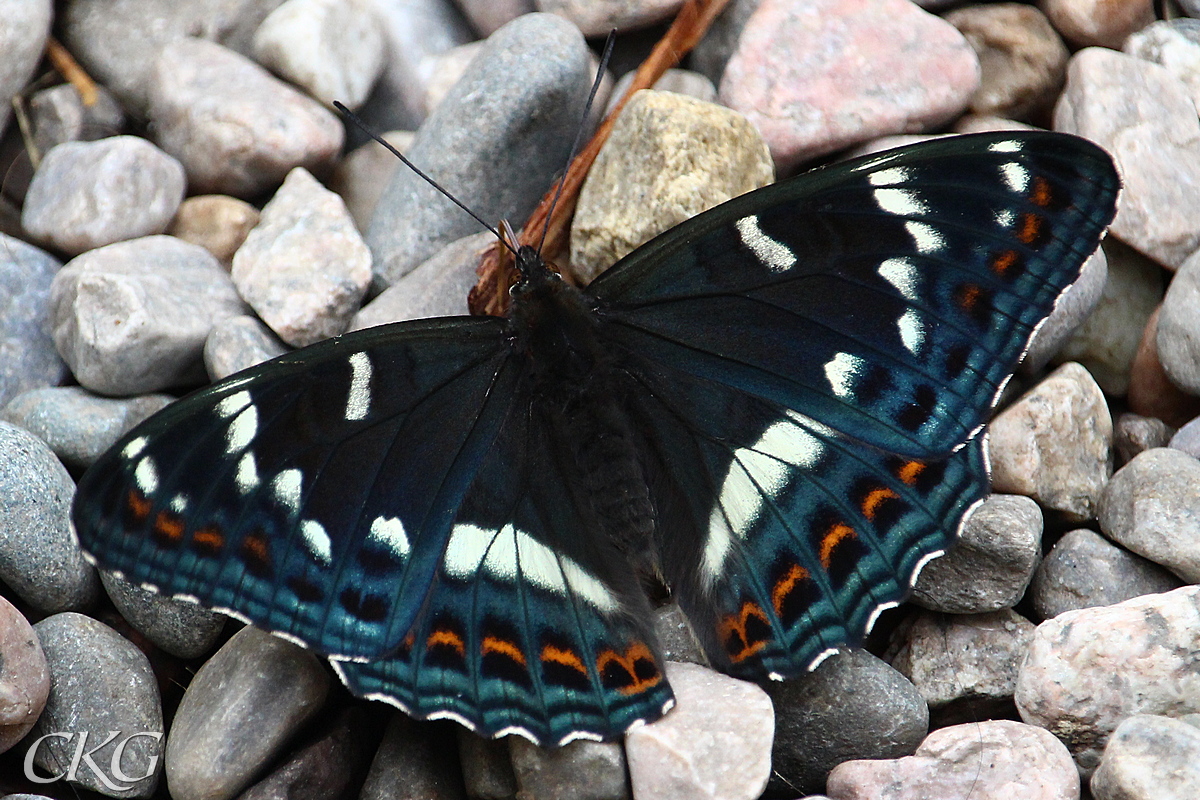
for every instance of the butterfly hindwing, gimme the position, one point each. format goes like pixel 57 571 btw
pixel 308 494
pixel 534 624
pixel 889 297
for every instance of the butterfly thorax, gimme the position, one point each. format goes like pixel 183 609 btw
pixel 579 385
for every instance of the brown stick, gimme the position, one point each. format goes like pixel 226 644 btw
pixel 69 68
pixel 496 274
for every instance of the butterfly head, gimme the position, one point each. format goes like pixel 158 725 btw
pixel 535 272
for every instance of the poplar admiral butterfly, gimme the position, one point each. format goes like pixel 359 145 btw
pixel 774 409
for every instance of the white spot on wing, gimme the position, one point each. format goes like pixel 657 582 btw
pixel 1015 176
pixel 145 476
pixel 902 202
pixel 926 238
pixel 842 371
pixel 389 532
pixel 509 552
pixel 1005 218
pixel 246 476
pixel 135 447
pixel 242 430
pixel 901 273
pixel 775 255
pixel 286 486
pixel 358 400
pixel 716 548
pixel 179 503
pixel 912 332
pixel 233 404
pixel 317 541
pixel 890 177
pixel 1006 146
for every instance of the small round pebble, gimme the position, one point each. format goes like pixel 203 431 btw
pixel 1143 116
pixel 1084 570
pixel 238 343
pixel 78 425
pixel 1187 439
pixel 1151 392
pixel 415 761
pixel 99 682
pixel 1087 670
pixel 591 770
pixel 1133 434
pixel 531 121
pixel 989 760
pixel 88 194
pixel 598 17
pixel 304 268
pixel 488 16
pixel 715 743
pixel 816 77
pixel 1022 60
pixel 853 705
pixel 334 49
pixel 1053 444
pixel 181 628
pixel 1174 43
pixel 486 765
pixel 24 676
pixel 326 766
pixel 39 557
pixel 30 359
pixel 1179 327
pixel 669 157
pixel 1149 757
pixel 217 222
pixel 116 313
pixel 1107 340
pixel 1074 309
pixel 1104 23
pixel 965 666
pixel 239 712
pixel 1152 507
pixel 236 129
pixel 992 563
pixel 680 81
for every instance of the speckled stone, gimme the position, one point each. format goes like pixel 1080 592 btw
pixel 1073 310
pixel 598 17
pixel 1102 23
pixel 992 563
pixel 58 115
pixel 1087 670
pixel 1178 336
pixel 24 676
pixel 531 121
pixel 1053 444
pixel 715 743
pixel 217 222
pixel 77 424
pixel 30 359
pixel 39 557
pixel 1084 570
pixel 182 629
pixel 853 705
pixel 586 770
pixel 22 40
pixel 1149 757
pixel 1187 439
pixel 99 683
pixel 238 343
pixel 416 761
pixel 1133 434
pixel 364 173
pixel 1152 507
pixel 239 713
pixel 668 158
pixel 998 759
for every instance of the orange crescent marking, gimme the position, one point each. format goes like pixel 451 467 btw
pixel 255 547
pixel 139 506
pixel 449 638
pixel 785 585
pixel 628 662
pixel 875 498
pixel 567 658
pixel 832 539
pixel 969 296
pixel 169 526
pixel 209 538
pixel 736 623
pixel 911 471
pixel 1031 226
pixel 1003 262
pixel 506 648
pixel 1042 193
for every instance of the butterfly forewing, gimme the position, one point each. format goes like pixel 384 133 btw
pixel 888 297
pixel 310 494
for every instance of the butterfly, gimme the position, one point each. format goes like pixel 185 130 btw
pixel 774 409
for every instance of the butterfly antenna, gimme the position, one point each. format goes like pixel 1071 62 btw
pixel 350 115
pixel 587 109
